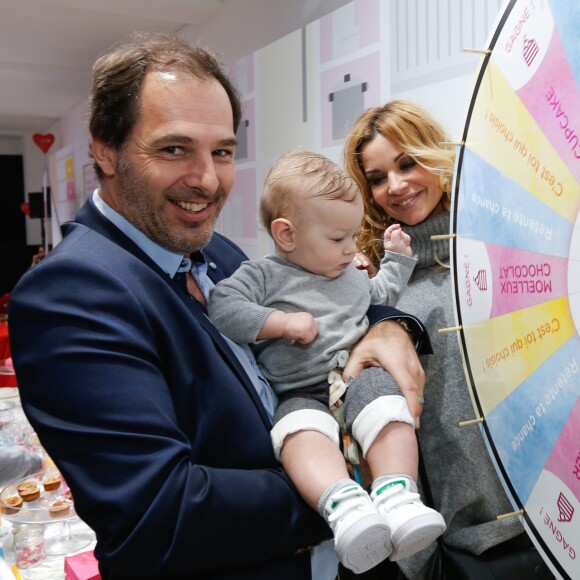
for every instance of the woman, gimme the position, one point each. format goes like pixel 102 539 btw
pixel 402 161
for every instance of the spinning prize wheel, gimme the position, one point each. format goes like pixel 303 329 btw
pixel 515 232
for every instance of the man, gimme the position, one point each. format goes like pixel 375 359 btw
pixel 160 426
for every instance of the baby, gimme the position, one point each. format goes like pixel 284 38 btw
pixel 303 309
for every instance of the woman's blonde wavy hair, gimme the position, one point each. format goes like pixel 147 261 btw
pixel 415 132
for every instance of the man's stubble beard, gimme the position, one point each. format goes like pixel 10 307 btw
pixel 139 209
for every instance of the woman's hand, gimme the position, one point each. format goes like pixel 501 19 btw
pixel 363 263
pixel 388 345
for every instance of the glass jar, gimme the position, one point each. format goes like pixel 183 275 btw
pixel 29 547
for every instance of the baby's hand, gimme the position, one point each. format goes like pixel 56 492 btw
pixel 396 240
pixel 300 327
pixel 363 263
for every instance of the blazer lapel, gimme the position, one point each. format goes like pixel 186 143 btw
pixel 92 218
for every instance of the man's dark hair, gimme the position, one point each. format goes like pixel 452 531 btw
pixel 118 77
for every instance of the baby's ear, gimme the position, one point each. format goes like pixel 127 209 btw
pixel 283 234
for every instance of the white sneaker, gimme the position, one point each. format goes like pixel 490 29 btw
pixel 413 525
pixel 362 537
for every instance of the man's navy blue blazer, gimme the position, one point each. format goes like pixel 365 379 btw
pixel 150 417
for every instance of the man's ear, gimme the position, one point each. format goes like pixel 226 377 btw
pixel 105 156
pixel 283 234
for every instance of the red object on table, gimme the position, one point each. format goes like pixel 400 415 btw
pixel 81 566
pixel 4 299
pixel 4 344
pixel 6 379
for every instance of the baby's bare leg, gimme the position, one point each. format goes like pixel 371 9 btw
pixel 394 451
pixel 314 463
pixel 317 468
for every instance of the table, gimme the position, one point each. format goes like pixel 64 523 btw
pixel 51 568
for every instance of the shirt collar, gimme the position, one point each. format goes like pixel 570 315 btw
pixel 168 261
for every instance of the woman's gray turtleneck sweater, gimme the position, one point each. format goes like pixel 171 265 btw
pixel 463 480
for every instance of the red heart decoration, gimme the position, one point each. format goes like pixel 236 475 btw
pixel 44 141
pixel 25 208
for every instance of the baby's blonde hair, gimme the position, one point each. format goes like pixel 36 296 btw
pixel 300 175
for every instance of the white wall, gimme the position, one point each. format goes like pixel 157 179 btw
pixel 243 26
pixel 425 45
pixel 10 145
pixel 429 64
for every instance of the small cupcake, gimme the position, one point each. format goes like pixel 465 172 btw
pixel 58 509
pixel 28 491
pixel 51 482
pixel 12 504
